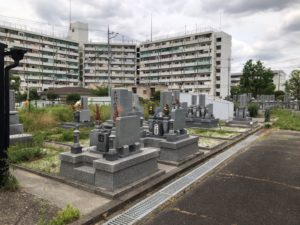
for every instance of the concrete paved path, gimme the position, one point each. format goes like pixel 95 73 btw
pixel 260 186
pixel 58 193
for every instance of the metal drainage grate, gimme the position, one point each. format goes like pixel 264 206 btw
pixel 149 204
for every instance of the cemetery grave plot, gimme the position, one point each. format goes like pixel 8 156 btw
pixel 209 143
pixel 64 136
pixel 39 158
pixel 232 129
pixel 213 133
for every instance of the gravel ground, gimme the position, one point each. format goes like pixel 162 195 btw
pixel 22 208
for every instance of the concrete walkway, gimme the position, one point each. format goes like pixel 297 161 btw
pixel 260 186
pixel 58 193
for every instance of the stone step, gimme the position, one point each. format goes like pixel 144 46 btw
pixel 85 174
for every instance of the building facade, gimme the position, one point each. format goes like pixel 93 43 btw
pixel 279 79
pixel 198 62
pixel 49 62
pixel 122 64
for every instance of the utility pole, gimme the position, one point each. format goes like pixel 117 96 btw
pixel 110 35
pixel 108 61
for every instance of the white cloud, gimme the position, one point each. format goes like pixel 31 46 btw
pixel 266 30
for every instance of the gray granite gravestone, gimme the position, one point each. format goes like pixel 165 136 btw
pixel 202 102
pixel 123 161
pixel 15 127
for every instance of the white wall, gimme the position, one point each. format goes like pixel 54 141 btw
pixel 222 109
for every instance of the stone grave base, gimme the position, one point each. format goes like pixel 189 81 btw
pixel 246 122
pixel 72 125
pixel 174 152
pixel 93 169
pixel 20 138
pixel 202 123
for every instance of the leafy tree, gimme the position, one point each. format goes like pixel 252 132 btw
pixel 33 94
pixel 156 96
pixel 71 99
pixel 100 91
pixel 279 95
pixel 52 96
pixel 235 90
pixel 15 82
pixel 257 79
pixel 292 86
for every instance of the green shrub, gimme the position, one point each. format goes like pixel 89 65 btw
pixel 18 153
pixel 52 96
pixel 65 216
pixel 71 99
pixel 100 91
pixel 67 135
pixel 10 184
pixel 61 113
pixel 253 109
pixel 285 119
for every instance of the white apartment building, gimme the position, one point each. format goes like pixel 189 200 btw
pixel 122 66
pixel 279 79
pixel 198 62
pixel 49 62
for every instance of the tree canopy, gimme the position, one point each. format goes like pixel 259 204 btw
pixel 257 79
pixel 292 86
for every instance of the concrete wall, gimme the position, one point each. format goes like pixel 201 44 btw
pixel 222 109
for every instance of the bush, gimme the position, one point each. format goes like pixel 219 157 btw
pixel 71 99
pixel 253 109
pixel 61 113
pixel 65 216
pixel 37 119
pixel 17 153
pixel 100 91
pixel 67 135
pixel 156 96
pixel 52 96
pixel 286 119
pixel 11 184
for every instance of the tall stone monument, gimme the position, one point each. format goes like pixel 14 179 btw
pixel 15 127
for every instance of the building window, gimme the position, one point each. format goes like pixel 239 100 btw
pixel 219 39
pixel 219 47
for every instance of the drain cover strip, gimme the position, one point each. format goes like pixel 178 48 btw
pixel 141 209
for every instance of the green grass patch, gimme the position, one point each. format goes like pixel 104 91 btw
pixel 48 164
pixel 212 133
pixel 285 119
pixel 19 153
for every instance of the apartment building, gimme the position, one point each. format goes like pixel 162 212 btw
pixel 279 79
pixel 197 62
pixel 49 62
pixel 122 64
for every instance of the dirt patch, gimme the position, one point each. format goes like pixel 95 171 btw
pixel 22 208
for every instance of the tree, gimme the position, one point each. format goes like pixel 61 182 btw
pixel 100 91
pixel 33 94
pixel 156 96
pixel 71 99
pixel 257 79
pixel 292 86
pixel 279 95
pixel 235 90
pixel 52 96
pixel 14 82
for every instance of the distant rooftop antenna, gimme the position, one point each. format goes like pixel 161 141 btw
pixel 70 14
pixel 151 27
pixel 220 22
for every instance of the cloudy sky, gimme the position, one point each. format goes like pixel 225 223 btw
pixel 268 30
